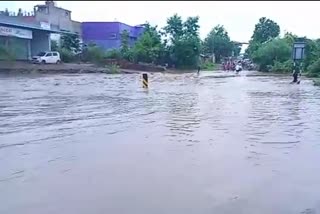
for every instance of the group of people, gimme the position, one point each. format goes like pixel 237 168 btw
pixel 228 65
pixel 231 65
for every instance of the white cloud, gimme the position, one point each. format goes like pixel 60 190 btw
pixel 239 18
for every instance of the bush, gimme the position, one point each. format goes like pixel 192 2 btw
pixel 277 50
pixel 113 54
pixel 66 55
pixel 114 69
pixel 282 67
pixel 314 69
pixel 208 66
pixel 93 54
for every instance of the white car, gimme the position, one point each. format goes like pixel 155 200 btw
pixel 52 57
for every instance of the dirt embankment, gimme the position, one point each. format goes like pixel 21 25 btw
pixel 123 67
pixel 26 67
pixel 124 64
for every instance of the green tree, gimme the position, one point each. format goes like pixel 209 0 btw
pixel 184 41
pixel 276 50
pixel 236 48
pixel 54 45
pixel 149 47
pixel 70 42
pixel 125 48
pixel 174 28
pixel 264 30
pixel 218 43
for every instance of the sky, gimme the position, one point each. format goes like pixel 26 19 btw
pixel 239 18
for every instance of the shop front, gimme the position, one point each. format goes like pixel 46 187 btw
pixel 15 42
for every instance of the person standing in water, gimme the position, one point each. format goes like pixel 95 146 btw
pixel 295 73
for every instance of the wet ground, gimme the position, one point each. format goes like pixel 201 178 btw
pixel 96 143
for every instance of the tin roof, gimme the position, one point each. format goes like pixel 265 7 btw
pixel 15 22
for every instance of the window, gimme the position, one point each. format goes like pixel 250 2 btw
pixel 113 36
pixel 67 14
pixel 49 54
pixel 54 54
pixel 41 54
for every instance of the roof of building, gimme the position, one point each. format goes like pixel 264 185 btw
pixel 116 22
pixel 43 5
pixel 8 21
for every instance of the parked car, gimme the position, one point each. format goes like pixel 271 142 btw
pixel 47 57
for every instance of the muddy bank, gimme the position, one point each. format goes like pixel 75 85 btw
pixel 25 67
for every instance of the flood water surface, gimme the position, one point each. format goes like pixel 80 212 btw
pixel 79 144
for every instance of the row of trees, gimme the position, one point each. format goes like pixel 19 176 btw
pixel 273 53
pixel 177 44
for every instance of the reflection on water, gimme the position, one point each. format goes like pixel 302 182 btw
pixel 102 144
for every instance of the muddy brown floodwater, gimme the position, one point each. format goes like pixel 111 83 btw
pixel 96 143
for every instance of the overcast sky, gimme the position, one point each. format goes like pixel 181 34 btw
pixel 239 18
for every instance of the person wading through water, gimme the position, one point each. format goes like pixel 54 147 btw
pixel 296 73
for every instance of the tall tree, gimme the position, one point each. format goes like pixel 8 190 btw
pixel 218 43
pixel 174 28
pixel 184 38
pixel 149 47
pixel 124 48
pixel 264 31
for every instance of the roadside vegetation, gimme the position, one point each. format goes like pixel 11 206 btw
pixel 177 45
pixel 272 53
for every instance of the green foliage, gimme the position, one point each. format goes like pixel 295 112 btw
pixel 265 30
pixel 208 66
pixel 113 54
pixel 124 49
pixel 93 53
pixel 54 45
pixel 282 67
pixel 149 48
pixel 314 69
pixel 268 53
pixel 185 43
pixel 312 52
pixel 70 42
pixel 218 43
pixel 66 55
pixel 114 69
pixel 236 49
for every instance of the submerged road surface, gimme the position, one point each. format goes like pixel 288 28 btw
pixel 100 144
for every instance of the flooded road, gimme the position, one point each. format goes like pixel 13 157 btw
pixel 90 143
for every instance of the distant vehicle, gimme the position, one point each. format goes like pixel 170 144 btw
pixel 47 57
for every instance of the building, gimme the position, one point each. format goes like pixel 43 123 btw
pixel 58 18
pixel 28 33
pixel 108 34
pixel 24 36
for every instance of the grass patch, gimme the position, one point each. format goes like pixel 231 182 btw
pixel 209 66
